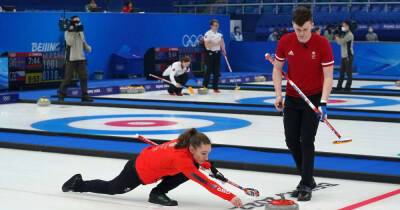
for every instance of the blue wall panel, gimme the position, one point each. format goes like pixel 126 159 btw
pixel 378 58
pixel 106 33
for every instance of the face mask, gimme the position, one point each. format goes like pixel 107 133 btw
pixel 344 28
pixel 370 30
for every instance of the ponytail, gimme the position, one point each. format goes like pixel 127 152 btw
pixel 192 137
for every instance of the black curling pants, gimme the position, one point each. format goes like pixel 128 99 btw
pixel 128 180
pixel 301 124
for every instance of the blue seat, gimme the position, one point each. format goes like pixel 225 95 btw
pixel 235 10
pixel 268 9
pixel 394 8
pixel 220 10
pixel 251 9
pixel 322 8
pixel 337 8
pixel 285 9
pixel 377 8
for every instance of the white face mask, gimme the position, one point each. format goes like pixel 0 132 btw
pixel 343 28
pixel 370 30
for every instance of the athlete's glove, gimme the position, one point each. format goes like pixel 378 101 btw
pixel 215 173
pixel 323 111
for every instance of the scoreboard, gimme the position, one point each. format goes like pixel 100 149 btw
pixel 33 70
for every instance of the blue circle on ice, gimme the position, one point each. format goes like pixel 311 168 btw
pixel 373 101
pixel 63 124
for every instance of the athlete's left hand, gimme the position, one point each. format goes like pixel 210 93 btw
pixel 323 111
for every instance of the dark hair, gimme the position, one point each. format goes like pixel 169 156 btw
pixel 347 22
pixel 185 59
pixel 73 17
pixel 213 21
pixel 301 15
pixel 192 138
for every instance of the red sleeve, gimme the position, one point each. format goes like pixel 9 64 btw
pixel 191 172
pixel 326 54
pixel 280 54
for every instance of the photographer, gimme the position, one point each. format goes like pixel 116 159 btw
pixel 75 59
pixel 346 40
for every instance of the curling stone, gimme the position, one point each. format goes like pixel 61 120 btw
pixel 397 83
pixel 131 90
pixel 43 101
pixel 141 89
pixel 202 91
pixel 282 204
pixel 260 79
pixel 123 90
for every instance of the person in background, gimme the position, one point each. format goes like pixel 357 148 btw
pixel 317 30
pixel 128 7
pixel 273 37
pixel 328 33
pixel 346 41
pixel 177 73
pixel 91 6
pixel 282 32
pixel 75 59
pixel 237 34
pixel 215 45
pixel 371 35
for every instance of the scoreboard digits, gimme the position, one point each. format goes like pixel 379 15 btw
pixel 35 70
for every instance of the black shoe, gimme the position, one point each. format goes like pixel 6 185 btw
pixel 347 89
pixel 86 98
pixel 72 183
pixel 305 193
pixel 162 199
pixel 296 192
pixel 338 88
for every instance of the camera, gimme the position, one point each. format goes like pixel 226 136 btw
pixel 337 30
pixel 66 24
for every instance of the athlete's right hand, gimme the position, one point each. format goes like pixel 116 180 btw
pixel 236 202
pixel 279 103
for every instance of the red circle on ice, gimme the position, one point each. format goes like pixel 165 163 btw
pixel 140 123
pixel 336 101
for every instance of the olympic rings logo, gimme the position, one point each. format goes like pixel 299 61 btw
pixel 191 40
